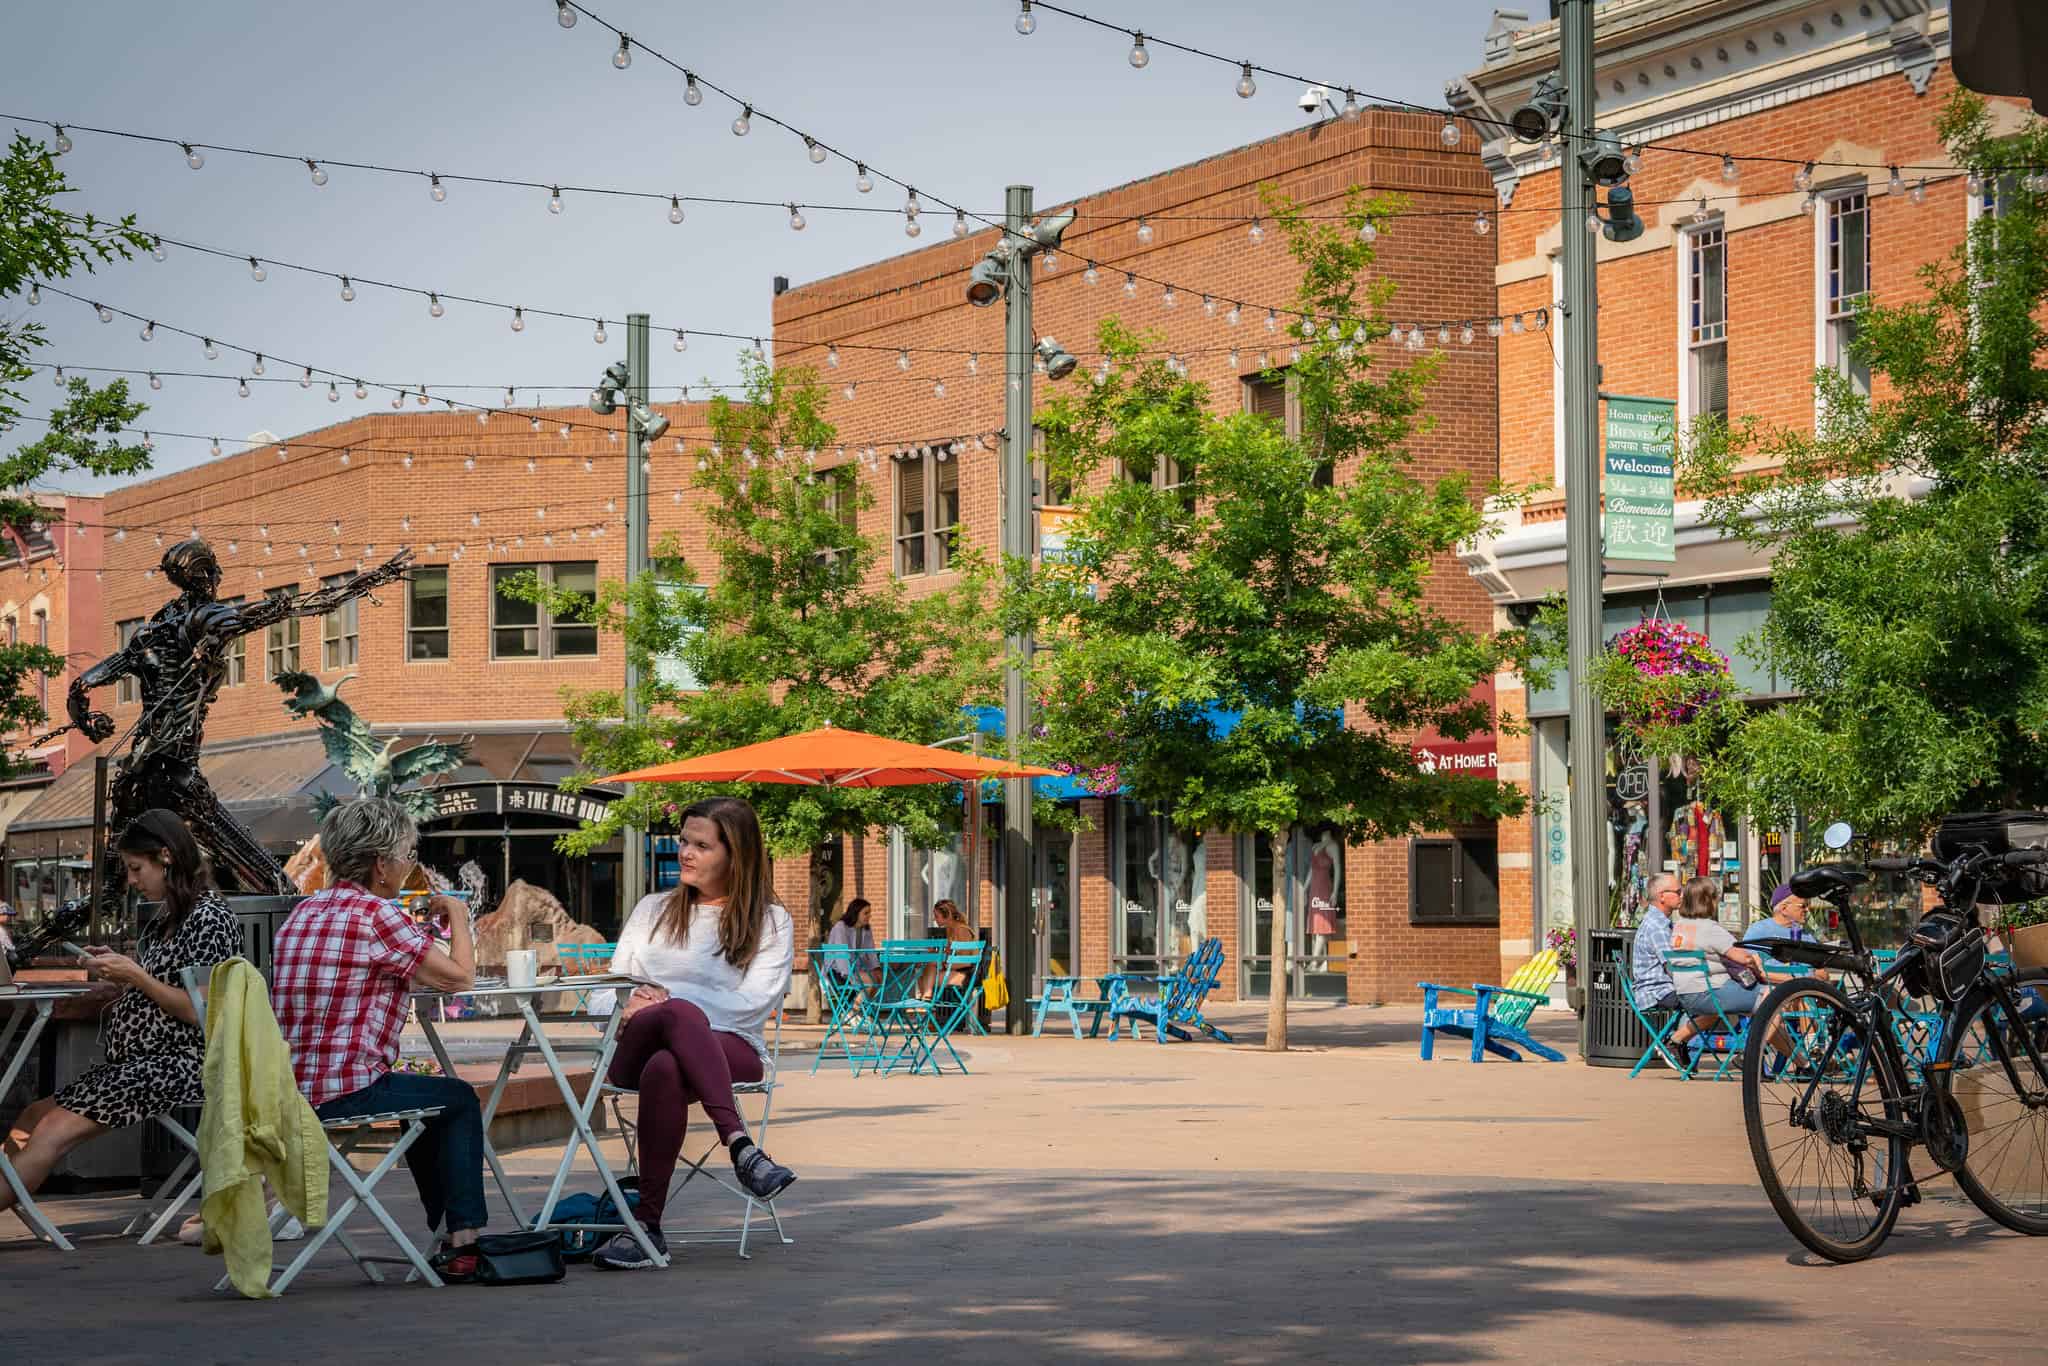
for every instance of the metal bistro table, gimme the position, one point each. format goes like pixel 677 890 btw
pixel 533 1040
pixel 34 1004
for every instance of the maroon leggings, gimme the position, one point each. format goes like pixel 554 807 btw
pixel 672 1056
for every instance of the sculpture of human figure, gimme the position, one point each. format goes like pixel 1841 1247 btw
pixel 178 659
pixel 944 872
pixel 1325 885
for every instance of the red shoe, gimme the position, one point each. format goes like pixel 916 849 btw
pixel 455 1265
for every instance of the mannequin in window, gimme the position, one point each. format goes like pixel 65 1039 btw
pixel 1198 895
pixel 1167 885
pixel 943 876
pixel 1325 886
pixel 1697 836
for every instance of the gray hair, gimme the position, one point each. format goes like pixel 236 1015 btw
pixel 354 835
pixel 1656 884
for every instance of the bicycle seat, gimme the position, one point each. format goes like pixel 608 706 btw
pixel 1829 877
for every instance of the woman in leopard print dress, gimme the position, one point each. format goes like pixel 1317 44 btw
pixel 154 1048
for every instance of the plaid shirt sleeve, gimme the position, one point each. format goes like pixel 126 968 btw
pixel 397 944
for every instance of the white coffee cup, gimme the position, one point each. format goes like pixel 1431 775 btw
pixel 522 967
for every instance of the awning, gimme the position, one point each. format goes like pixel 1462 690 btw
pixel 15 800
pixel 268 784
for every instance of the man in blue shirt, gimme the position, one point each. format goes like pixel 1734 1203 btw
pixel 1653 987
pixel 1787 919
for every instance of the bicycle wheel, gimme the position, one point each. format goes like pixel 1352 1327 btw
pixel 1816 1094
pixel 2006 1170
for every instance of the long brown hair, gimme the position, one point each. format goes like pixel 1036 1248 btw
pixel 158 831
pixel 745 916
pixel 1700 899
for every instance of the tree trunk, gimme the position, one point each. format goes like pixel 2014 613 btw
pixel 1276 994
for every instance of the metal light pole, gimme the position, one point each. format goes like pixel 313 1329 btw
pixel 1583 556
pixel 1019 344
pixel 634 882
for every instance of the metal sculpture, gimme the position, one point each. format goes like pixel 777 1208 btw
pixel 179 658
pixel 351 747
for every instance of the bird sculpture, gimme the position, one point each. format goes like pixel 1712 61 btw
pixel 379 770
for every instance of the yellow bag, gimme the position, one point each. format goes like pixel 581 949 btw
pixel 995 987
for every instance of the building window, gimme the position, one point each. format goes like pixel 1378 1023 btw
pixel 281 643
pixel 13 631
pixel 1845 282
pixel 340 630
pixel 527 630
pixel 1165 473
pixel 927 513
pixel 128 689
pixel 238 657
pixel 43 679
pixel 1705 295
pixel 1454 881
pixel 1280 400
pixel 426 614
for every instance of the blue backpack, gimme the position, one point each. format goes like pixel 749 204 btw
pixel 584 1208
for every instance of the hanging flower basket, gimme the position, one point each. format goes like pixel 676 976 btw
pixel 1660 679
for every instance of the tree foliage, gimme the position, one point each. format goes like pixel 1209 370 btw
pixel 1909 540
pixel 1298 605
pixel 792 630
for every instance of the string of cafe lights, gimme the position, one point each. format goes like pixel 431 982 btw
pixel 1143 43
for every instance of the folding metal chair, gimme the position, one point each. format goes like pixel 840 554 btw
pixel 352 1132
pixel 951 1006
pixel 177 1190
pixel 1672 1015
pixel 844 998
pixel 1729 1040
pixel 899 1015
pixel 689 1170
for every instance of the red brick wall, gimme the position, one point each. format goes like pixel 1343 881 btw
pixel 65 582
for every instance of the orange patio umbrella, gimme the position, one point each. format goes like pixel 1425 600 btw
pixel 833 758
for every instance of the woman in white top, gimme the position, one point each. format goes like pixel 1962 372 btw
pixel 721 952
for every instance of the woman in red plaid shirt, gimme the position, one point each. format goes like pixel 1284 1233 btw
pixel 345 962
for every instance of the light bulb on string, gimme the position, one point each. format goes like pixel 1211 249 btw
pixel 348 290
pixel 675 208
pixel 434 308
pixel 1209 305
pixel 911 227
pixel 796 219
pixel 256 271
pixel 623 58
pixel 257 368
pixel 682 342
pixel 862 181
pixel 1090 275
pixel 1027 22
pixel 831 357
pixel 1481 224
pixel 1443 334
pixel 1272 321
pixel 1144 233
pixel 974 362
pixel 814 150
pixel 148 332
pixel 1515 326
pixel 242 389
pixel 1897 184
pixel 760 351
pixel 849 391
pixel 903 360
pixel 1246 86
pixel 1130 285
pixel 1140 58
pixel 1919 193
pixel 1542 320
pixel 1730 172
pixel 1593 220
pixel 35 294
pixel 156 249
pixel 598 335
pixel 106 314
pixel 1465 334
pixel 1804 178
pixel 1352 112
pixel 361 392
pixel 306 378
pixel 193 156
pixel 1449 134
pixel 1809 205
pixel 318 173
pixel 398 400
pixel 155 381
pixel 518 318
pixel 554 199
pixel 1234 316
pixel 1167 297
pixel 565 14
pixel 436 189
pixel 1257 232
pixel 959 222
pixel 333 393
pixel 744 122
pixel 64 138
pixel 1493 327
pixel 692 96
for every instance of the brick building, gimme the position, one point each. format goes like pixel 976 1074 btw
pixel 446 657
pixel 1729 301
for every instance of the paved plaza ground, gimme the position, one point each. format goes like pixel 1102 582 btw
pixel 1090 1201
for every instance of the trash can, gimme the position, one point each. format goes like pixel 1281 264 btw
pixel 1616 1038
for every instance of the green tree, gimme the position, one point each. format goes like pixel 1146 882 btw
pixel 40 241
pixel 1909 540
pixel 1251 583
pixel 794 630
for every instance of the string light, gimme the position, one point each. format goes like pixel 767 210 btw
pixel 1449 134
pixel 106 314
pixel 154 381
pixel 682 342
pixel 1257 232
pixel 959 222
pixel 1246 86
pixel 796 219
pixel 565 14
pixel 518 319
pixel 436 189
pixel 256 271
pixel 744 122
pixel 813 150
pixel 1144 233
pixel 1481 224
pixel 692 96
pixel 434 308
pixel 1140 58
pixel 554 199
pixel 675 209
pixel 623 58
pixel 598 336
pixel 1730 172
pixel 319 175
pixel 193 157
pixel 862 181
pixel 1896 185
pixel 1027 22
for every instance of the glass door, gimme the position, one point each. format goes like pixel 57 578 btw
pixel 1052 908
pixel 1296 883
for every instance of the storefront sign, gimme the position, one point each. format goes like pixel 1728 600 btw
pixel 521 799
pixel 1638 492
pixel 1478 757
pixel 1053 524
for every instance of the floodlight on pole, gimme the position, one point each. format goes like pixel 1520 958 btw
pixel 1604 159
pixel 1059 362
pixel 988 281
pixel 1623 223
pixel 1545 109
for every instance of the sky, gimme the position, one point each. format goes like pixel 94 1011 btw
pixel 942 94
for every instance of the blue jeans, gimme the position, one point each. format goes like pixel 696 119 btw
pixel 1734 999
pixel 447 1161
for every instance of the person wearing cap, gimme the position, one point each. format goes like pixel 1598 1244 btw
pixel 1787 920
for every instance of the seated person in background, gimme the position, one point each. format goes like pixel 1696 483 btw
pixel 345 960
pixel 853 931
pixel 1787 920
pixel 1696 928
pixel 1651 979
pixel 720 951
pixel 954 929
pixel 155 1052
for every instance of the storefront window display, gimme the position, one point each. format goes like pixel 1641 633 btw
pixel 919 879
pixel 1307 880
pixel 1163 891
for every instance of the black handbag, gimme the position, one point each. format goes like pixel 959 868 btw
pixel 519 1259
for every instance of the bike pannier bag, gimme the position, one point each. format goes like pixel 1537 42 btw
pixel 1952 955
pixel 1998 832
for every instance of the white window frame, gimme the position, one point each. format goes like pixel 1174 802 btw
pixel 1685 240
pixel 544 623
pixel 341 631
pixel 446 632
pixel 1823 211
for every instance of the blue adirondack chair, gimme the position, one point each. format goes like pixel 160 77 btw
pixel 1498 1017
pixel 1177 1008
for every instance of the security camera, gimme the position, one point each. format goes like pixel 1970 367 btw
pixel 1313 99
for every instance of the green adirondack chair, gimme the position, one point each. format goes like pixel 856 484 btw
pixel 1498 1016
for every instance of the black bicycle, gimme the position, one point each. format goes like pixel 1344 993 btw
pixel 1844 1074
